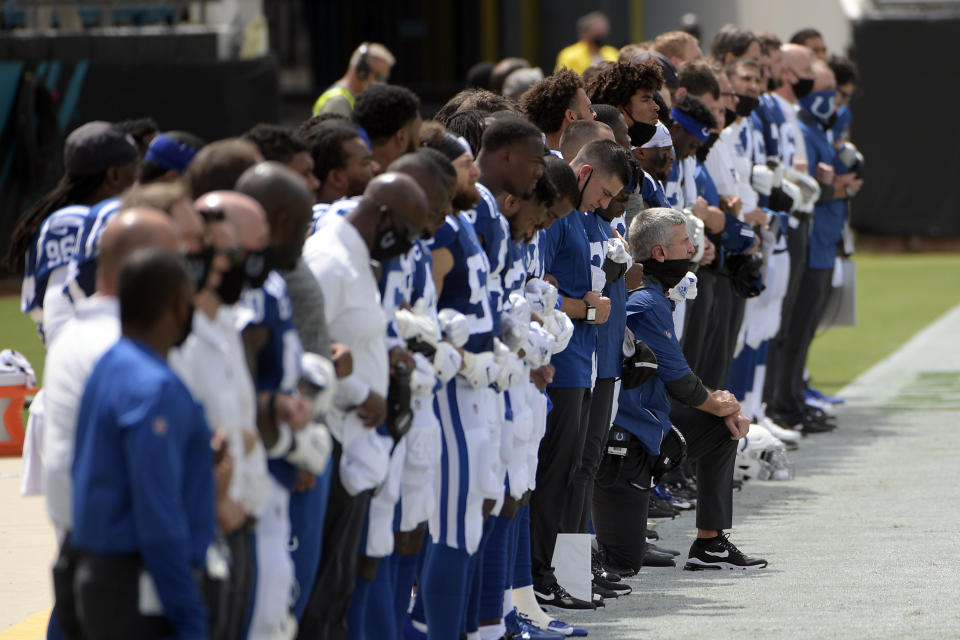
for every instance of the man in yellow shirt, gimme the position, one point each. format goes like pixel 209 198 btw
pixel 371 62
pixel 593 29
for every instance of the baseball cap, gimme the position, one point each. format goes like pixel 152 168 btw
pixel 660 139
pixel 670 77
pixel 96 146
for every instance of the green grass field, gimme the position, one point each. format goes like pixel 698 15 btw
pixel 897 296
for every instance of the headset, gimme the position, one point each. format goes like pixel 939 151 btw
pixel 363 65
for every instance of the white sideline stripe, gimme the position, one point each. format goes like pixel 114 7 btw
pixel 934 348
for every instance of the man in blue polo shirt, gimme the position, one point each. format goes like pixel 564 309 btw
pixel 602 170
pixel 143 470
pixel 837 184
pixel 709 422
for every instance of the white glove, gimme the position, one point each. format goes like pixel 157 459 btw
pixel 686 289
pixel 311 453
pixel 415 326
pixel 561 327
pixel 793 191
pixel 423 378
pixel 515 322
pixel 539 346
pixel 511 367
pixel 321 380
pixel 617 251
pixel 809 188
pixel 447 361
pixel 542 296
pixel 761 179
pixel 455 327
pixel 479 369
pixel 849 155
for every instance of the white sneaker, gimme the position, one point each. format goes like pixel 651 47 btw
pixel 786 435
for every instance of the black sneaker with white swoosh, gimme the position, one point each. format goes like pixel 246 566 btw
pixel 556 596
pixel 718 554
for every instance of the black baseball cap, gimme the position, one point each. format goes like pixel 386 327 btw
pixel 96 146
pixel 669 71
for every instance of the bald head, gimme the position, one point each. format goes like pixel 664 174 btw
pixel 402 195
pixel 823 77
pixel 243 212
pixel 132 229
pixel 286 199
pixel 798 59
pixel 436 176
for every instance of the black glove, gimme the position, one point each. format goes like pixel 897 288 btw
pixel 746 274
pixel 639 364
pixel 399 413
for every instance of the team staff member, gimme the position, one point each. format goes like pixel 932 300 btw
pixel 371 62
pixel 602 169
pixel 391 216
pixel 645 414
pixel 143 473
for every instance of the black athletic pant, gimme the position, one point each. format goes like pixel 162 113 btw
pixel 326 612
pixel 559 459
pixel 620 497
pixel 700 320
pixel 810 305
pixel 598 424
pixel 721 338
pixel 798 241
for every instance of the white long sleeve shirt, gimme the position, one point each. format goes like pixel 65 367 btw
pixel 212 363
pixel 71 357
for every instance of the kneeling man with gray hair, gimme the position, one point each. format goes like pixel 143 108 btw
pixel 671 416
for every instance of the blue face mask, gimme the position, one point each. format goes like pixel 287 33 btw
pixel 820 104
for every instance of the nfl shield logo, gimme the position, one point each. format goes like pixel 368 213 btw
pixel 669 335
pixel 160 426
pixel 476 409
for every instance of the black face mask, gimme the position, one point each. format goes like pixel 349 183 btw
pixel 599 41
pixel 746 104
pixel 704 149
pixel 729 116
pixel 669 272
pixel 258 265
pixel 773 84
pixel 640 133
pixel 198 266
pixel 390 244
pixel 231 284
pixel 185 328
pixel 802 87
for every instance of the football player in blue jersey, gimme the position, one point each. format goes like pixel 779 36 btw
pixel 554 103
pixel 166 160
pixel 390 116
pixel 409 301
pixel 342 161
pixel 100 162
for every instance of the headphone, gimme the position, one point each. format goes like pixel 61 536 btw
pixel 363 65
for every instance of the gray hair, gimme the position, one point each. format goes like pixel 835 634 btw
pixel 651 228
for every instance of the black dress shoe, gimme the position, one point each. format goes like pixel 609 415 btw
pixel 653 558
pixel 660 549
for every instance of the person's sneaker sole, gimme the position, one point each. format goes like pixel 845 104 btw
pixel 695 564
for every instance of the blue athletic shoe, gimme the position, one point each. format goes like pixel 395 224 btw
pixel 819 395
pixel 568 630
pixel 521 627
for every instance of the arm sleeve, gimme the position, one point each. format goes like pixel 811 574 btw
pixel 153 449
pixel 689 390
